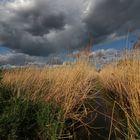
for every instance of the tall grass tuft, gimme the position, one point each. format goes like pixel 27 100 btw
pixel 122 83
pixel 23 119
pixel 68 86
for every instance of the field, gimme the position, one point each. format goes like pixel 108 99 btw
pixel 72 102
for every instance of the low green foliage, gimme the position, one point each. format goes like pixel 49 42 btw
pixel 23 119
pixel 50 120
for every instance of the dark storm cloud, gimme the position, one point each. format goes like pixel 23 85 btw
pixel 112 18
pixel 39 19
pixel 46 24
pixel 42 27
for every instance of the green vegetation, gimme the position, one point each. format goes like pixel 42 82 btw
pixel 23 119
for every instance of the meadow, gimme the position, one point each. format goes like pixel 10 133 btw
pixel 72 102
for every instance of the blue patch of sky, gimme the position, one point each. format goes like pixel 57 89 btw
pixel 4 49
pixel 119 44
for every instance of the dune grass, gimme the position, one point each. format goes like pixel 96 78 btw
pixel 61 100
pixel 69 86
pixel 122 84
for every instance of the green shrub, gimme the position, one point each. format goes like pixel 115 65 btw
pixel 18 120
pixel 50 120
pixel 23 119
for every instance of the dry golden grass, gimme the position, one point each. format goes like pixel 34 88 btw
pixel 123 82
pixel 69 86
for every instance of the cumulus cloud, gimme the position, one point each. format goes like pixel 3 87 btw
pixel 102 57
pixel 21 59
pixel 106 53
pixel 42 27
pixel 17 59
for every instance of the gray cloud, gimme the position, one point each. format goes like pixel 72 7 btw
pixel 18 59
pixel 42 27
pixel 112 18
pixel 40 18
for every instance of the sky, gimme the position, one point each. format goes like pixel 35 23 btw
pixel 35 29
